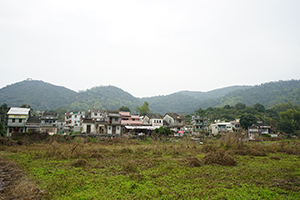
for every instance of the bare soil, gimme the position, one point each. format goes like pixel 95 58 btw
pixel 14 184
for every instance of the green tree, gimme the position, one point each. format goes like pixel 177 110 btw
pixel 3 110
pixel 286 126
pixel 227 107
pixel 144 109
pixel 163 131
pixel 247 120
pixel 2 130
pixel 259 107
pixel 124 108
pixel 240 106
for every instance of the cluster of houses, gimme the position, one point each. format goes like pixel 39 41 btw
pixel 119 123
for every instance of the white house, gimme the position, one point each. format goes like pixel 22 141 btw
pixel 220 127
pixel 16 120
pixel 74 118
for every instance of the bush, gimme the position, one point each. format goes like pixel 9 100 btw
pixel 194 162
pixel 219 158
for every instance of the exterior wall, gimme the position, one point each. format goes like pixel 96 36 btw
pixel 214 129
pixel 74 118
pixel 16 120
pixel 48 129
pixel 196 121
pixel 84 127
pixel 157 122
pixel 170 120
pixel 146 120
pixel 111 129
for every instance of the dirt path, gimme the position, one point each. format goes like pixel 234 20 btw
pixel 14 183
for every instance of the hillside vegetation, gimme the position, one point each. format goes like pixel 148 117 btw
pixel 45 96
pixel 38 94
pixel 267 94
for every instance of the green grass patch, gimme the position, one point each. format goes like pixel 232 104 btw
pixel 160 170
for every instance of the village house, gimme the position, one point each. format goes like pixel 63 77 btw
pixel 96 122
pixel 89 126
pixel 174 121
pixel 74 118
pixel 33 124
pixel 16 120
pixel 128 119
pixel 103 122
pixel 236 125
pixel 198 123
pixel 259 129
pixel 220 128
pixel 154 120
pixel 114 122
pixel 49 123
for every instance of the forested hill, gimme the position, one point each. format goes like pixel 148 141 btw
pixel 105 97
pixel 186 101
pixel 267 94
pixel 45 96
pixel 214 93
pixel 38 94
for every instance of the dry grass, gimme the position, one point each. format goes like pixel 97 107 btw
pixel 219 158
pixel 79 163
pixel 194 162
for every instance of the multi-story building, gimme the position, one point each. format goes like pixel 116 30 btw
pixel 220 128
pixel 74 118
pixel 16 120
pixel 257 130
pixel 198 123
pixel 49 123
pixel 128 119
pixel 174 121
pixel 114 122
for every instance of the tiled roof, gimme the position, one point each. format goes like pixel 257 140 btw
pixel 34 119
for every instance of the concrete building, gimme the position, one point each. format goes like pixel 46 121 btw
pixel 16 120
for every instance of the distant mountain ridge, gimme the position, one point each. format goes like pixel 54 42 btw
pixel 45 96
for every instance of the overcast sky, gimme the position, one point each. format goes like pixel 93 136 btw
pixel 152 47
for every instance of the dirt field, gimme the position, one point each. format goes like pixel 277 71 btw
pixel 14 183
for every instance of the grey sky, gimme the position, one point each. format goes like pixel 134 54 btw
pixel 152 47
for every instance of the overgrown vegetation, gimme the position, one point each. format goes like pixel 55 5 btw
pixel 131 169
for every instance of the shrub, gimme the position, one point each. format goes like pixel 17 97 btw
pixel 209 148
pixel 219 158
pixel 194 162
pixel 79 163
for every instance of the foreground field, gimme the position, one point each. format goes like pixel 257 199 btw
pixel 131 169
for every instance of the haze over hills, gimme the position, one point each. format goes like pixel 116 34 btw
pixel 45 96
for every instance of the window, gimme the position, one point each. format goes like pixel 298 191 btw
pixel 20 120
pixel 13 120
pixel 116 119
pixel 95 114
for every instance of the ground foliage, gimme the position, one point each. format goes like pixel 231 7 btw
pixel 133 169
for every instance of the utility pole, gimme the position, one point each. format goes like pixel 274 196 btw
pixel 203 123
